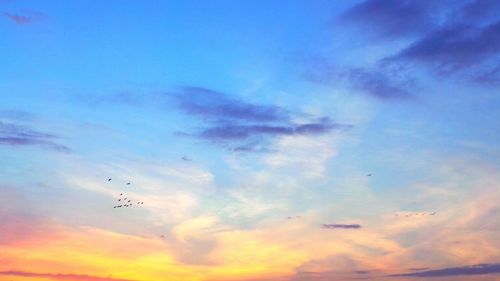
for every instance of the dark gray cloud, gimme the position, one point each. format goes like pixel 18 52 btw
pixel 345 226
pixel 212 104
pixel 16 135
pixel 59 276
pixel 241 126
pixel 238 132
pixel 450 49
pixel 478 269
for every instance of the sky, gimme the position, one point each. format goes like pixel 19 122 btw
pixel 269 140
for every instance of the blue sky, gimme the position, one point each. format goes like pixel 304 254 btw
pixel 250 124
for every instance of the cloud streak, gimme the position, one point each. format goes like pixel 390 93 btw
pixel 59 276
pixel 342 226
pixel 479 269
pixel 16 135
pixel 19 19
pixel 374 82
pixel 454 48
pixel 238 132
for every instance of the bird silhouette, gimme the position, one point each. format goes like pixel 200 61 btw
pixel 369 175
pixel 109 179
pixel 128 183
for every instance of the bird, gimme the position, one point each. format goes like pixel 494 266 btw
pixel 128 201
pixel 119 199
pixel 121 194
pixel 369 175
pixel 109 179
pixel 128 183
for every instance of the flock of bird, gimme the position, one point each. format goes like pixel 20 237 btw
pixel 125 202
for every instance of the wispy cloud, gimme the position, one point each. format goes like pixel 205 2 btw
pixel 373 82
pixel 60 276
pixel 478 269
pixel 16 135
pixel 345 226
pixel 19 19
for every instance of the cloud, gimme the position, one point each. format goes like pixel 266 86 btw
pixel 16 135
pixel 59 276
pixel 245 127
pixel 391 18
pixel 345 226
pixel 228 132
pixel 478 269
pixel 454 48
pixel 206 103
pixel 374 82
pixel 445 37
pixel 377 84
pixel 19 19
